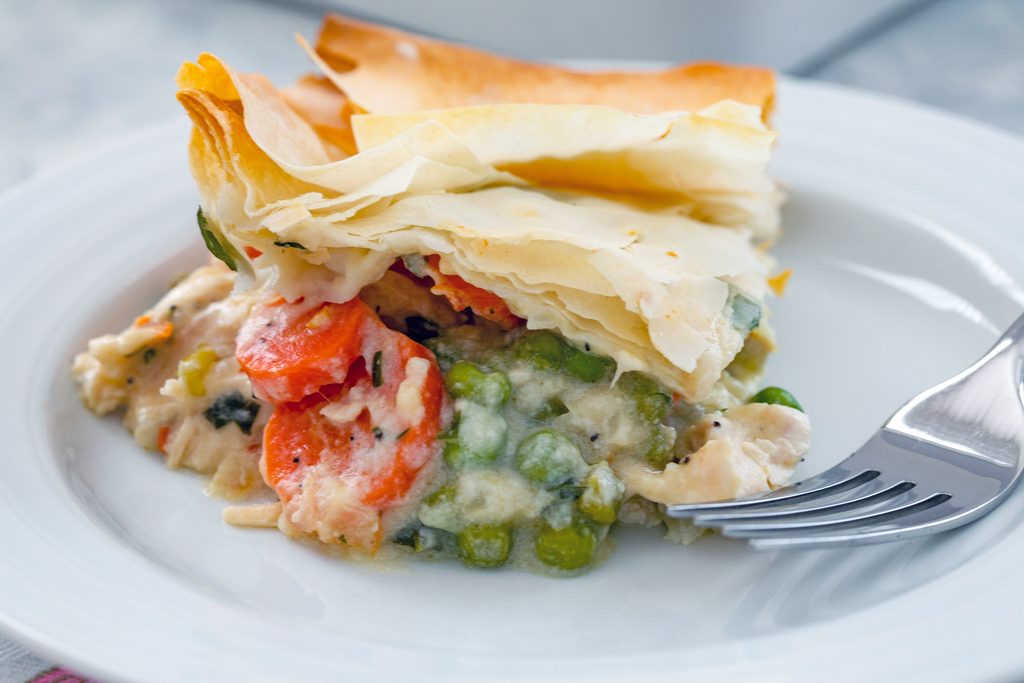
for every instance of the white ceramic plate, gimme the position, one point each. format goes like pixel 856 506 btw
pixel 903 228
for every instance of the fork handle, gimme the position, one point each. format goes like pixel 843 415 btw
pixel 979 410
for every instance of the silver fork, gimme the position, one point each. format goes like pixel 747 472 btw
pixel 946 458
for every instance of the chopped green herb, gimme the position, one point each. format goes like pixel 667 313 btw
pixel 401 434
pixel 216 247
pixel 570 491
pixel 420 538
pixel 407 536
pixel 377 369
pixel 233 407
pixel 292 245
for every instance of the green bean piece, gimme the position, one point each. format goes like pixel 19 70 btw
pixel 653 401
pixel 570 548
pixel 543 348
pixel 479 436
pixel 215 242
pixel 745 313
pixel 602 495
pixel 549 458
pixel 777 396
pixel 467 380
pixel 548 350
pixel 587 366
pixel 485 545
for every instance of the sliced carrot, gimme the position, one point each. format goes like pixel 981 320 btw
pixel 290 350
pixel 162 437
pixel 353 440
pixel 462 295
pixel 158 329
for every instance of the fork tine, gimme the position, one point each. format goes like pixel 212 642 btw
pixel 830 482
pixel 716 519
pixel 784 528
pixel 941 517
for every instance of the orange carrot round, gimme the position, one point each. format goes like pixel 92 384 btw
pixel 349 450
pixel 290 350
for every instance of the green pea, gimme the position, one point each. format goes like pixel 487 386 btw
pixel 479 436
pixel 543 348
pixel 549 458
pixel 653 401
pixel 587 366
pixel 485 545
pixel 602 495
pixel 572 547
pixel 659 447
pixel 468 380
pixel 777 396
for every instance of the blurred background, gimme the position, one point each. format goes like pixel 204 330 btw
pixel 76 72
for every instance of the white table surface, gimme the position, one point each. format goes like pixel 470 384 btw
pixel 75 73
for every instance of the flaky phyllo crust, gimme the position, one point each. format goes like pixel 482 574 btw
pixel 620 209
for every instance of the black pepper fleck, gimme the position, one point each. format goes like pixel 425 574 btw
pixel 295 460
pixel 378 433
pixel 595 437
pixel 716 423
pixel 130 380
pixel 686 460
pixel 586 346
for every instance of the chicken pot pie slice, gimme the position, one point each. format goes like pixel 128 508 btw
pixel 484 320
